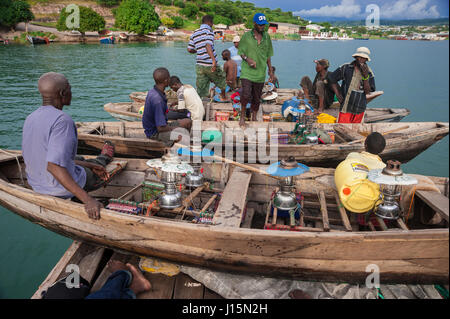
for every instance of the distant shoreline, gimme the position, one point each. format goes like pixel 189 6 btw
pixel 180 35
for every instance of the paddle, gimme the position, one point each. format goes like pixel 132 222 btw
pixel 228 161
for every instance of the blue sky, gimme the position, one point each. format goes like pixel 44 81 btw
pixel 355 9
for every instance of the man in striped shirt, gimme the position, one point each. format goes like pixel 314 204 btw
pixel 201 42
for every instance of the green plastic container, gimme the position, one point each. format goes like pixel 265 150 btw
pixel 211 136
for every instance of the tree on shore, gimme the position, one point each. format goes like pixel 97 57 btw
pixel 190 10
pixel 178 22
pixel 137 16
pixel 108 3
pixel 89 20
pixel 14 12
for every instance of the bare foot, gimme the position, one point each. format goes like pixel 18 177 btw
pixel 242 123
pixel 139 283
pixel 115 265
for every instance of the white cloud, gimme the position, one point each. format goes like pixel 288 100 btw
pixel 397 9
pixel 409 9
pixel 346 9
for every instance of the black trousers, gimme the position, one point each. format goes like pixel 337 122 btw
pixel 251 92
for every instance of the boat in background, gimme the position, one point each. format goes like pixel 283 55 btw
pixel 345 37
pixel 404 140
pixel 123 36
pixel 132 111
pixel 107 40
pixel 38 40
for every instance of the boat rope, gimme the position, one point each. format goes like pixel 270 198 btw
pixel 410 204
pixel 379 294
pixel 18 164
pixel 156 172
pixel 99 132
pixel 442 291
pixel 149 208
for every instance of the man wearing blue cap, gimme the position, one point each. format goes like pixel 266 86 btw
pixel 256 49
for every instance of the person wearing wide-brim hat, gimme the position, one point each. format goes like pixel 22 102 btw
pixel 358 80
pixel 255 49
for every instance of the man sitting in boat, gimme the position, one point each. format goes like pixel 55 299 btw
pixel 154 120
pixel 357 81
pixel 319 91
pixel 49 146
pixel 188 99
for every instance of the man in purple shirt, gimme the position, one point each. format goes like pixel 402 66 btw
pixel 154 120
pixel 49 146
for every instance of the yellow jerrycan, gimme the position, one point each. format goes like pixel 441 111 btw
pixel 356 192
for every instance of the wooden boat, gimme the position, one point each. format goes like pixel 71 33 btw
pixel 409 139
pixel 91 260
pixel 130 111
pixel 282 96
pixel 38 40
pixel 123 36
pixel 107 40
pixel 328 244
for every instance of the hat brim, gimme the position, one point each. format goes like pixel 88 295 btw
pixel 362 55
pixel 262 22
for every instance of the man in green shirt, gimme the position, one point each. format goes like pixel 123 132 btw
pixel 256 49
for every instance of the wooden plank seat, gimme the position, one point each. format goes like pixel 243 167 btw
pixel 436 201
pixel 231 207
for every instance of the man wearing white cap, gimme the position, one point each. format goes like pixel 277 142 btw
pixel 236 57
pixel 357 81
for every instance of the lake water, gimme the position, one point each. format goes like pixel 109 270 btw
pixel 412 74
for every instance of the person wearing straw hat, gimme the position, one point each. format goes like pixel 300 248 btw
pixel 358 80
pixel 236 57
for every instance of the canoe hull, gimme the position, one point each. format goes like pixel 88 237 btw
pixel 412 256
pixel 300 256
pixel 403 148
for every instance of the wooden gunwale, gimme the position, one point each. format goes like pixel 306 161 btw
pixel 121 111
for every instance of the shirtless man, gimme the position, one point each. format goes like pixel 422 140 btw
pixel 230 67
pixel 49 146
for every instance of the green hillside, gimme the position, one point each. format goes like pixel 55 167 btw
pixel 186 14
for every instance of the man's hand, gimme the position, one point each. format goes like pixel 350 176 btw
pixel 340 98
pixel 214 67
pixel 251 63
pixel 92 208
pixel 100 171
pixel 364 69
pixel 271 77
